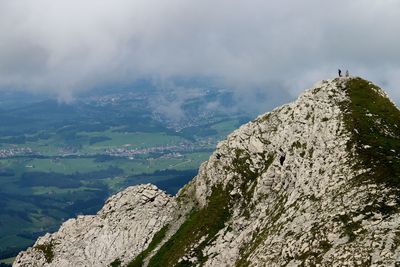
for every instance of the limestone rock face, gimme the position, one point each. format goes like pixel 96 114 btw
pixel 312 183
pixel 310 210
pixel 119 231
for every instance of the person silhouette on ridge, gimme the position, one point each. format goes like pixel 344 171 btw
pixel 340 72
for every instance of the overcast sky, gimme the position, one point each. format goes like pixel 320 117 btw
pixel 279 47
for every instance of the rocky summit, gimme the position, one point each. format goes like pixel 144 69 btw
pixel 312 183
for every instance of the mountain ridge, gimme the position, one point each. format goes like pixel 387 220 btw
pixel 313 182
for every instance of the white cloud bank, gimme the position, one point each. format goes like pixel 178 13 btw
pixel 63 46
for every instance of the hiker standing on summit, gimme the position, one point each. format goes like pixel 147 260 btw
pixel 340 72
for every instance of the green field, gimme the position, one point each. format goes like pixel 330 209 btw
pixel 8 260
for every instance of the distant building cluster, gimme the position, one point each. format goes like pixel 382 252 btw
pixel 127 152
pixel 12 152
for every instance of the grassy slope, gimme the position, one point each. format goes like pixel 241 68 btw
pixel 157 238
pixel 375 123
pixel 202 224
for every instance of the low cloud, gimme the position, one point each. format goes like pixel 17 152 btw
pixel 273 48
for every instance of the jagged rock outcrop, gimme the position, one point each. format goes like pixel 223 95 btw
pixel 119 231
pixel 312 183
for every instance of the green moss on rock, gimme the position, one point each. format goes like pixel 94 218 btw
pixel 201 225
pixel 47 250
pixel 157 238
pixel 116 263
pixel 241 164
pixel 374 122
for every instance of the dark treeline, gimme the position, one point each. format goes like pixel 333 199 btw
pixel 10 252
pixel 60 180
pixel 6 172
